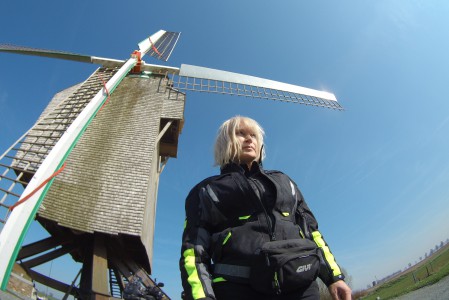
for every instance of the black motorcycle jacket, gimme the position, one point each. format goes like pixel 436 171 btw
pixel 229 216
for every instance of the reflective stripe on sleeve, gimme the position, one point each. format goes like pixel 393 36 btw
pixel 328 256
pixel 193 279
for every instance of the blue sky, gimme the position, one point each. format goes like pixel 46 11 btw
pixel 375 175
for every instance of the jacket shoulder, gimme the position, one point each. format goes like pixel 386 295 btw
pixel 205 182
pixel 280 176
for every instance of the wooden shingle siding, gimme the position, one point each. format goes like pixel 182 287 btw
pixel 110 181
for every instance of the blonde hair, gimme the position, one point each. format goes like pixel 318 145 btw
pixel 227 146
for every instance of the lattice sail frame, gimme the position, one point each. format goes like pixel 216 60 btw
pixel 163 47
pixel 200 79
pixel 185 83
pixel 164 43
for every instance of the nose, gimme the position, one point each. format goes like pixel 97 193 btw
pixel 248 137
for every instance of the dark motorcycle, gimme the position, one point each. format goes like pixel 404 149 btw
pixel 136 290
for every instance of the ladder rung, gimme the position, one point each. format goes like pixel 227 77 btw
pixel 10 193
pixel 17 169
pixel 49 129
pixel 4 205
pixel 19 160
pixel 36 144
pixel 43 136
pixel 15 180
pixel 32 151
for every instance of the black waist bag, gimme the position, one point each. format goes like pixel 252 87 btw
pixel 285 266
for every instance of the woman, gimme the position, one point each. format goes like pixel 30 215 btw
pixel 249 232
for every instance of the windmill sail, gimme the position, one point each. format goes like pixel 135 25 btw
pixel 160 45
pixel 163 47
pixel 106 62
pixel 194 78
pixel 45 53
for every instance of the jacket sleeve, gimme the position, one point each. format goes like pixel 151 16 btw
pixel 330 271
pixel 195 259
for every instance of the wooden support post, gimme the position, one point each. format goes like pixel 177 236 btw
pixel 86 272
pixel 94 279
pixel 100 283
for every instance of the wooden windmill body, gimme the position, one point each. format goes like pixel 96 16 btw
pixel 101 208
pixel 109 184
pixel 108 189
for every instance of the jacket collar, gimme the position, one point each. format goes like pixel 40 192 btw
pixel 243 169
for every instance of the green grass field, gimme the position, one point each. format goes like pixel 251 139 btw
pixel 428 272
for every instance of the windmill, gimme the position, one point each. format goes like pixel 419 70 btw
pixel 88 170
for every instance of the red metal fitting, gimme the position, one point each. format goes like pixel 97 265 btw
pixel 137 55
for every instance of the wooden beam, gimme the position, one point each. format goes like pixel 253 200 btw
pixel 37 247
pixel 86 271
pixel 55 284
pixel 121 267
pixel 100 283
pixel 48 256
pixel 72 285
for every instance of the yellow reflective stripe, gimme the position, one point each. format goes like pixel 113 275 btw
pixel 218 279
pixel 193 279
pixel 185 223
pixel 286 214
pixel 244 217
pixel 327 253
pixel 227 237
pixel 301 234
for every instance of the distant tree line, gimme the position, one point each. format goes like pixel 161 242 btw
pixel 426 255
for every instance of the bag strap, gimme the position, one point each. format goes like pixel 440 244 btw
pixel 232 270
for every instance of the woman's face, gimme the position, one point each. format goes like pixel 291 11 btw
pixel 248 142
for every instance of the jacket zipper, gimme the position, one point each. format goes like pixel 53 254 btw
pixel 269 221
pixel 240 178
